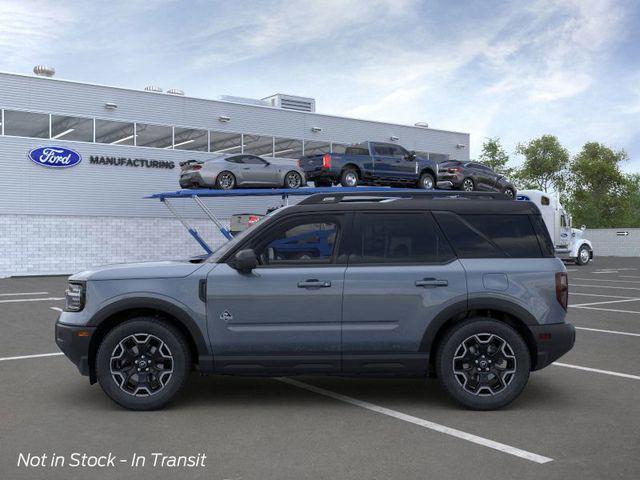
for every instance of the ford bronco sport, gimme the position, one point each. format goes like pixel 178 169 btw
pixel 461 286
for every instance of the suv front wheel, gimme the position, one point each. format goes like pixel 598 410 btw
pixel 143 363
pixel 483 364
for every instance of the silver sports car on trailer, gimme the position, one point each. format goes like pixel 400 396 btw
pixel 241 170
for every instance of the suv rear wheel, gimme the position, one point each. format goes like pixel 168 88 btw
pixel 143 363
pixel 468 185
pixel 483 364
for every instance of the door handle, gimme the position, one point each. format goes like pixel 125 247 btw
pixel 313 283
pixel 431 283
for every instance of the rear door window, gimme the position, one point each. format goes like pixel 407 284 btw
pixel 407 238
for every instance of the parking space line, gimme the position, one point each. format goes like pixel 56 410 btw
pixel 608 331
pixel 16 300
pixel 485 442
pixel 607 280
pixel 604 286
pixel 23 293
pixel 596 295
pixel 629 276
pixel 24 357
pixel 605 302
pixel 57 309
pixel 607 309
pixel 597 370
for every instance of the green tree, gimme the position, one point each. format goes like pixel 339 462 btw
pixel 494 156
pixel 545 164
pixel 600 194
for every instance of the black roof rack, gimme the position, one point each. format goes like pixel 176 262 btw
pixel 379 196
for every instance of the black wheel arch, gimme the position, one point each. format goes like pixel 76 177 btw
pixel 352 166
pixel 502 310
pixel 430 171
pixel 120 311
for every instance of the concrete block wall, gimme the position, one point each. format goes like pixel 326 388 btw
pixel 53 245
pixel 611 242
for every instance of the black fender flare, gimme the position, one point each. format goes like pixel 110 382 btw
pixel 161 305
pixel 461 309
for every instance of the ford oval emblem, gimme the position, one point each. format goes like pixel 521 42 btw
pixel 55 157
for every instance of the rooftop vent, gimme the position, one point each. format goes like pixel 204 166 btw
pixel 175 91
pixel 153 88
pixel 291 102
pixel 44 71
pixel 244 100
pixel 422 124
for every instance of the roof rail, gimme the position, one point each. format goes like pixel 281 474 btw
pixel 377 196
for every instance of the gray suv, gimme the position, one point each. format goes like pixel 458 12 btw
pixel 461 286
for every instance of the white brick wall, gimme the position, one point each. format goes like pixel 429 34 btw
pixel 50 245
pixel 607 243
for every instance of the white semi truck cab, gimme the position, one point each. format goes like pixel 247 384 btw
pixel 568 241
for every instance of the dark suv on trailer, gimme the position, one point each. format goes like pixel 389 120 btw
pixel 470 176
pixel 463 286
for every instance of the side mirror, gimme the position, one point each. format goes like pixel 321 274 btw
pixel 245 261
pixel 411 156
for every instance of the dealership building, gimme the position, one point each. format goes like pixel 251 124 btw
pixel 128 144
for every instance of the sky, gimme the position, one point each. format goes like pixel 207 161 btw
pixel 514 70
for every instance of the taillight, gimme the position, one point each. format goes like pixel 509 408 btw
pixel 326 161
pixel 253 219
pixel 298 162
pixel 196 167
pixel 454 170
pixel 562 289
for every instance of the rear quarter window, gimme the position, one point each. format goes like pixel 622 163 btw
pixel 491 236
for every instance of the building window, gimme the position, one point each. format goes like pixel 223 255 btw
pixel 258 145
pixel 316 148
pixel 226 142
pixel 190 139
pixel 157 136
pixel 287 148
pixel 115 133
pixel 71 128
pixel 26 124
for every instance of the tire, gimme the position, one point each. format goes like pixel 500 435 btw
pixel 487 333
pixel 292 180
pixel 426 182
pixel 584 255
pixel 509 192
pixel 225 180
pixel 349 178
pixel 121 378
pixel 468 185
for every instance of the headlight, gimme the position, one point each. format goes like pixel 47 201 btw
pixel 74 297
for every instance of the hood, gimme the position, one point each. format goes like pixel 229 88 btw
pixel 577 233
pixel 129 271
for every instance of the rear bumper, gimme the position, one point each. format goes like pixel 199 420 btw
pixel 191 180
pixel 319 173
pixel 552 341
pixel 74 342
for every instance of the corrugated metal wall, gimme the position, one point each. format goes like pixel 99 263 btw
pixel 614 242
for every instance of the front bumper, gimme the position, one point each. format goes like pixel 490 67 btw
pixel 552 341
pixel 74 342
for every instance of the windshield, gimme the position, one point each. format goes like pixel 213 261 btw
pixel 222 250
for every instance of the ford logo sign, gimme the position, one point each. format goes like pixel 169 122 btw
pixel 55 157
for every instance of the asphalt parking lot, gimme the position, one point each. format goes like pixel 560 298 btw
pixel 577 419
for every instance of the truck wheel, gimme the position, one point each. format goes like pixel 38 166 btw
pixel 349 178
pixel 426 182
pixel 483 364
pixel 143 363
pixel 293 180
pixel 584 255
pixel 468 185
pixel 225 180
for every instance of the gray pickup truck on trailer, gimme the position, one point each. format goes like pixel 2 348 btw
pixel 461 285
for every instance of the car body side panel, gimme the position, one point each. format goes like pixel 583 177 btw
pixel 528 283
